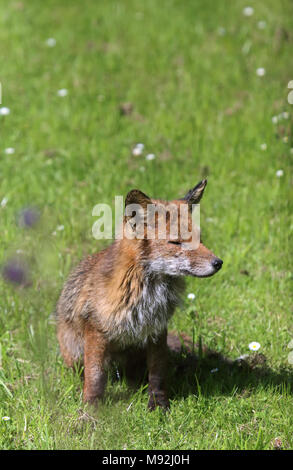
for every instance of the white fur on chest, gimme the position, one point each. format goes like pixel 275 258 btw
pixel 149 316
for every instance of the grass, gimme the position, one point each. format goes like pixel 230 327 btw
pixel 199 105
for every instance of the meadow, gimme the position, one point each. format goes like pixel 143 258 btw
pixel 204 86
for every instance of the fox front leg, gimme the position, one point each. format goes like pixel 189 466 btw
pixel 157 358
pixel 95 377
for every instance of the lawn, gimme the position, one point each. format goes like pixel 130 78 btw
pixel 206 87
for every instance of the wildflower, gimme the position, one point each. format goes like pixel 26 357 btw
pixel 15 271
pixel 285 139
pixel 261 25
pixel 254 346
pixel 248 11
pixel 285 115
pixel 5 418
pixel 60 228
pixel 191 296
pixel 279 173
pixel 138 149
pixel 28 217
pixel 260 71
pixel 274 119
pixel 4 111
pixel 4 202
pixel 63 92
pixel 263 146
pixel 150 156
pixel 9 151
pixel 51 42
pixel 214 370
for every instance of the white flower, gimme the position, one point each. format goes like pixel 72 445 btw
pixel 136 151
pixel 285 139
pixel 214 370
pixel 5 418
pixel 9 151
pixel 261 25
pixel 291 150
pixel 191 296
pixel 279 173
pixel 285 115
pixel 260 71
pixel 4 202
pixel 62 92
pixel 4 111
pixel 254 346
pixel 60 228
pixel 51 42
pixel 248 11
pixel 274 119
pixel 263 146
pixel 150 156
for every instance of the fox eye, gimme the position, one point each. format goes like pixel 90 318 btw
pixel 174 242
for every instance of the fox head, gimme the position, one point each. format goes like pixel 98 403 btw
pixel 169 239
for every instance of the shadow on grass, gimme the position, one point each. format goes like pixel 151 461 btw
pixel 198 370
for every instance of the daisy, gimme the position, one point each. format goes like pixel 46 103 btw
pixel 214 370
pixel 254 346
pixel 279 173
pixel 9 151
pixel 285 115
pixel 191 296
pixel 274 119
pixel 4 111
pixel 150 156
pixel 63 92
pixel 60 228
pixel 248 11
pixel 136 151
pixel 5 418
pixel 51 42
pixel 260 71
pixel 263 146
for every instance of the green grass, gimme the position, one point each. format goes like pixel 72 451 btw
pixel 201 108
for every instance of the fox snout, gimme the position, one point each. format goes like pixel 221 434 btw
pixel 203 263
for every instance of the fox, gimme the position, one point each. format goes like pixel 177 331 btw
pixel 116 303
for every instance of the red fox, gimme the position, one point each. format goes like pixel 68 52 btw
pixel 119 301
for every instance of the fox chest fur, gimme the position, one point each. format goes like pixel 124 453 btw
pixel 128 304
pixel 145 315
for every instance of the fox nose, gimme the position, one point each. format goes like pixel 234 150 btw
pixel 217 263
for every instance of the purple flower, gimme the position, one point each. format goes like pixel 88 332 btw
pixel 28 217
pixel 15 271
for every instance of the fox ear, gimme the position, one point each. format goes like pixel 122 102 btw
pixel 194 195
pixel 135 196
